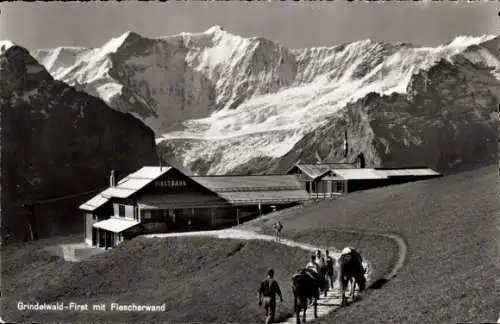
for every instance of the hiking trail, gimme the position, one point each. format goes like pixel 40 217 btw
pixel 325 304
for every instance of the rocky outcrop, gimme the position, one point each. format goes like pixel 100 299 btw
pixel 451 126
pixel 57 141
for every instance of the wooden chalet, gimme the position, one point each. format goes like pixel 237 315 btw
pixel 163 199
pixel 312 177
pixel 333 179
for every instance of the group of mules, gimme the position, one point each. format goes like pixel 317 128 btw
pixel 308 285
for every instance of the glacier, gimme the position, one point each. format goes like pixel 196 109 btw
pixel 227 100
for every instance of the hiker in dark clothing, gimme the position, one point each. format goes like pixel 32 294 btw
pixel 268 290
pixel 279 228
pixel 329 268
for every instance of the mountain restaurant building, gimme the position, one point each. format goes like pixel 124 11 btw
pixel 163 199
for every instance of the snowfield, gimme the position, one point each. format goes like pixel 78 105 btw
pixel 218 94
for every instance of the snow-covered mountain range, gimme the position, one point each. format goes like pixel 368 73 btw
pixel 220 103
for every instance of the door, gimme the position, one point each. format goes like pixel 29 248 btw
pixel 329 188
pixel 179 219
pixel 170 219
pixel 102 238
pixel 109 239
pixel 95 232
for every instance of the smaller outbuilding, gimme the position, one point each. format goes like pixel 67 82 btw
pixel 328 180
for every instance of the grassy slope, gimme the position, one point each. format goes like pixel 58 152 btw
pixel 199 279
pixel 451 227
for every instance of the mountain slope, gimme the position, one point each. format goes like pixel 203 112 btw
pixel 57 141
pixel 451 227
pixel 219 103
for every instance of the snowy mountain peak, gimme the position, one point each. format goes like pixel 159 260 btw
pixel 5 45
pixel 464 41
pixel 123 40
pixel 215 30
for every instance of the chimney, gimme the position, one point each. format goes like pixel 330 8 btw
pixel 346 144
pixel 160 162
pixel 112 180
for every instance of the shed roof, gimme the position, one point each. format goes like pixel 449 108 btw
pixel 422 172
pixel 340 165
pixel 359 174
pixel 126 186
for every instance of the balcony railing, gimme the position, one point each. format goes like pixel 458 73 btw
pixel 324 195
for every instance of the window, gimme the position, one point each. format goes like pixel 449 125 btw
pixel 147 214
pixel 339 186
pixel 121 210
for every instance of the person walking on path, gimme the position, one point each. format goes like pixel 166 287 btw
pixel 268 290
pixel 329 268
pixel 319 259
pixel 313 264
pixel 279 228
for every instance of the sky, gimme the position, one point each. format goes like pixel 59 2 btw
pixel 292 24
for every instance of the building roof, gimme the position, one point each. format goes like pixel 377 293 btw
pixel 126 186
pixel 115 225
pixel 340 165
pixel 422 172
pixel 135 181
pixel 264 189
pixel 180 200
pixel 332 178
pixel 315 171
pixel 265 197
pixel 230 189
pixel 219 184
pixel 359 174
pixel 94 203
pixel 235 198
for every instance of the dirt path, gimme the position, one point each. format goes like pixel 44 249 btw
pixel 246 235
pixel 402 250
pixel 325 304
pixel 68 251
